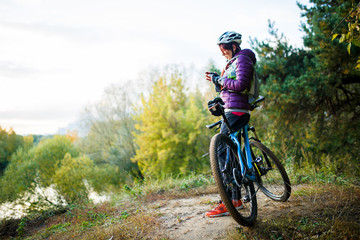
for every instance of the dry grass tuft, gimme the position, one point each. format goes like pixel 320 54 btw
pixel 316 212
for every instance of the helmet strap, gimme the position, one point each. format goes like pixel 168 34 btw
pixel 232 50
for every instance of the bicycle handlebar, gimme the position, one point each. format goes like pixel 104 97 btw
pixel 254 105
pixel 219 100
pixel 213 125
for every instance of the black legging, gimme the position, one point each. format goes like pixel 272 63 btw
pixel 236 123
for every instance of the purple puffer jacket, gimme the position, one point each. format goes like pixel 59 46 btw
pixel 237 77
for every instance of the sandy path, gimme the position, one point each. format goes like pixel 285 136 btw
pixel 184 218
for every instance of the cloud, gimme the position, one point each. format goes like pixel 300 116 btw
pixel 37 121
pixel 38 114
pixel 58 55
pixel 40 119
pixel 9 69
pixel 43 31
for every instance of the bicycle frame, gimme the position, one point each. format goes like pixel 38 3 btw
pixel 248 163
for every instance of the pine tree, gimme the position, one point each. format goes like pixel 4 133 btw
pixel 313 102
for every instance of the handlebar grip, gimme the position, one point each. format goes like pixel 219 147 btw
pixel 213 125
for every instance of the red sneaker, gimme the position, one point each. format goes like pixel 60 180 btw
pixel 220 209
pixel 237 204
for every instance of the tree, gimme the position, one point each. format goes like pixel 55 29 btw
pixel 9 143
pixel 49 156
pixel 280 68
pixel 108 139
pixel 313 102
pixel 337 83
pixel 170 134
pixel 352 36
pixel 54 163
pixel 69 177
pixel 334 68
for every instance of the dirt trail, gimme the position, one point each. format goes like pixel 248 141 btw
pixel 184 218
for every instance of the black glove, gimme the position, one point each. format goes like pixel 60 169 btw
pixel 217 80
pixel 214 76
pixel 215 106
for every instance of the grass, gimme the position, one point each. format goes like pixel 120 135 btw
pixel 170 188
pixel 318 211
pixel 325 211
pixel 108 220
pixel 124 217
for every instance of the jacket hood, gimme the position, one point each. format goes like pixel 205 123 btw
pixel 249 53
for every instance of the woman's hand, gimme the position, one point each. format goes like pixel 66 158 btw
pixel 211 76
pixel 216 79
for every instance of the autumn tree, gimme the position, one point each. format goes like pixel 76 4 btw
pixel 107 127
pixel 9 143
pixel 54 163
pixel 171 136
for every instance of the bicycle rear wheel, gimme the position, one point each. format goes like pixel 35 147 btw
pixel 273 180
pixel 226 170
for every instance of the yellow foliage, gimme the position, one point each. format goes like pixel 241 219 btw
pixel 72 135
pixel 70 177
pixel 48 156
pixel 168 136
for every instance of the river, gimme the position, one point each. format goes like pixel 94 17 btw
pixel 18 208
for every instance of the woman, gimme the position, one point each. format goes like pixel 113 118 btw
pixel 233 84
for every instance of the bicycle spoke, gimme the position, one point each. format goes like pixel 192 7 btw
pixel 272 179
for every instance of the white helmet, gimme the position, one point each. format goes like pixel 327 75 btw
pixel 228 37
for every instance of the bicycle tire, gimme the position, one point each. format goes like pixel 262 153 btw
pixel 273 180
pixel 229 183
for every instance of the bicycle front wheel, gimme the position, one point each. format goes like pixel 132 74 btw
pixel 273 180
pixel 237 194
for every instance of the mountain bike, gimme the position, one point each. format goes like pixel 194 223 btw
pixel 240 170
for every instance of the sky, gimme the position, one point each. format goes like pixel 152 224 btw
pixel 57 56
